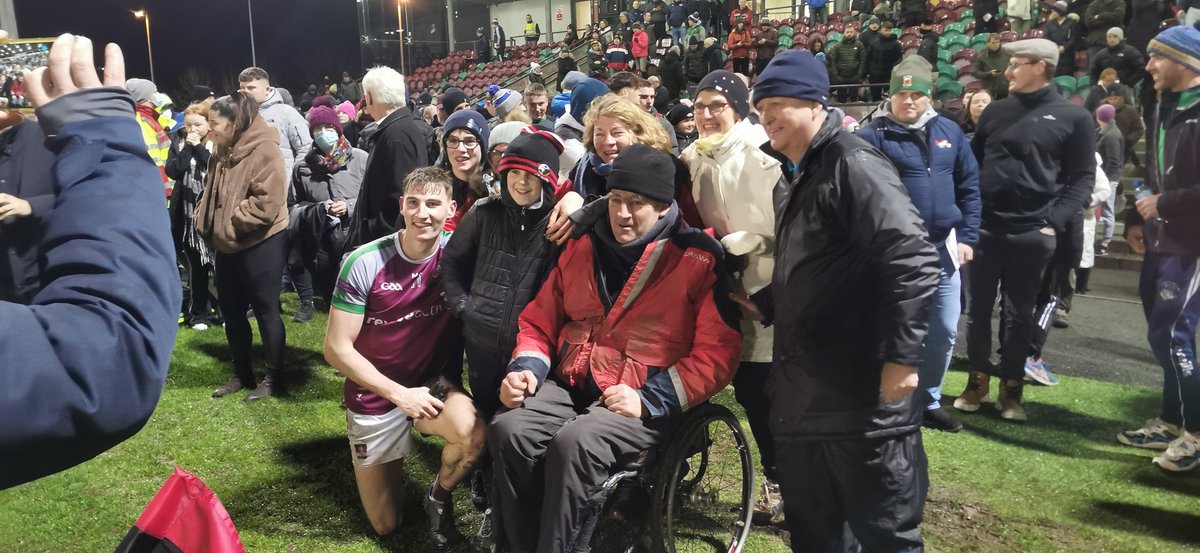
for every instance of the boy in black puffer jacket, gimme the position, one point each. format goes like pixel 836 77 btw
pixel 498 258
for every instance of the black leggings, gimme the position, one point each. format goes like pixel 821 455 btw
pixel 742 66
pixel 200 300
pixel 251 278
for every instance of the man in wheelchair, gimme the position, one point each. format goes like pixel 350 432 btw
pixel 636 323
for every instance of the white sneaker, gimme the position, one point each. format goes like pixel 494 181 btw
pixel 199 326
pixel 1156 434
pixel 1182 455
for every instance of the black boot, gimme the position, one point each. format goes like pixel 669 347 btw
pixel 441 520
pixel 304 313
pixel 1081 280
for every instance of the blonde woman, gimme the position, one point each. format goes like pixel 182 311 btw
pixel 187 165
pixel 611 124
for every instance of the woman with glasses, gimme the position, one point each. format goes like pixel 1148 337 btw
pixel 732 180
pixel 464 143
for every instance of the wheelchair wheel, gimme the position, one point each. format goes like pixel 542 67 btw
pixel 702 497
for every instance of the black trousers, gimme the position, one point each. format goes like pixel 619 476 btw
pixel 1015 262
pixel 742 66
pixel 550 455
pixel 874 488
pixel 759 65
pixel 750 390
pixel 200 300
pixel 250 279
pixel 846 94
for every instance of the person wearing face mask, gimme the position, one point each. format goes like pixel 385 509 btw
pixel 187 165
pixel 243 214
pixel 732 180
pixel 464 142
pixel 324 188
pixel 939 171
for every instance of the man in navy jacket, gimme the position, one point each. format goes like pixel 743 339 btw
pixel 939 171
pixel 82 368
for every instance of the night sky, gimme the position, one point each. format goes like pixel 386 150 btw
pixel 297 41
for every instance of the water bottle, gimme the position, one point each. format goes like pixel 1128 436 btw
pixel 1140 190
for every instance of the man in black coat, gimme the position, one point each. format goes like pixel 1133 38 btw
pixel 1125 59
pixel 882 56
pixel 1031 206
pixel 26 197
pixel 399 146
pixel 986 16
pixel 929 43
pixel 1063 29
pixel 850 298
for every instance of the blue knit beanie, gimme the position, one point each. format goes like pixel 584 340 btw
pixel 583 94
pixel 1180 44
pixel 793 74
pixel 470 120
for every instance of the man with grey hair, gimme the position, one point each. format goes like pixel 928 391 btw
pixel 294 136
pixel 398 146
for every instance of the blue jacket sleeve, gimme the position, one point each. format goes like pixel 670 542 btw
pixel 82 368
pixel 966 191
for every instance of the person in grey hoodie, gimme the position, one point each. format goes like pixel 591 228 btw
pixel 294 137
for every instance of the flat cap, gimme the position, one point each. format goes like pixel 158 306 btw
pixel 1034 49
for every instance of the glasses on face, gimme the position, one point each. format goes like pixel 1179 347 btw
pixel 714 108
pixel 468 143
pixel 496 153
pixel 1013 65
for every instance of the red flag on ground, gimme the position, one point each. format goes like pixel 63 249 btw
pixel 184 517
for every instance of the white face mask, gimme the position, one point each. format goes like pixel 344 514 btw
pixel 326 139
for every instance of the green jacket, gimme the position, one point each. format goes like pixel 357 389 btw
pixel 985 63
pixel 1102 15
pixel 845 59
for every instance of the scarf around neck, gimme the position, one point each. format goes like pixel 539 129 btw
pixel 337 158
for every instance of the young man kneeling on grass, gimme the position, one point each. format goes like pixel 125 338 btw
pixel 393 336
pixel 636 322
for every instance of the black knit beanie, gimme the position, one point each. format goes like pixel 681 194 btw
pixel 644 170
pixel 731 86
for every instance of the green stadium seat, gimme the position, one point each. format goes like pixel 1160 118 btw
pixel 1067 84
pixel 950 90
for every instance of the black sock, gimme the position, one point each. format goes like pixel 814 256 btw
pixel 438 493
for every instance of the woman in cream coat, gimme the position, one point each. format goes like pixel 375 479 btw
pixel 732 183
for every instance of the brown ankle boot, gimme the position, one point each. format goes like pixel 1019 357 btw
pixel 234 384
pixel 263 390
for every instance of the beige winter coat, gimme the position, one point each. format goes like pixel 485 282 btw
pixel 245 199
pixel 732 184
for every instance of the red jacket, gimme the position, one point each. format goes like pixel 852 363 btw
pixel 641 44
pixel 739 44
pixel 664 335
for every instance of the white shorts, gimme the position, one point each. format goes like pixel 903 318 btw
pixel 378 439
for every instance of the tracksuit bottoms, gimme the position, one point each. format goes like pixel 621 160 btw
pixel 1170 290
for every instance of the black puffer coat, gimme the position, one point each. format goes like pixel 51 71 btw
pixel 494 264
pixel 671 73
pixel 852 288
